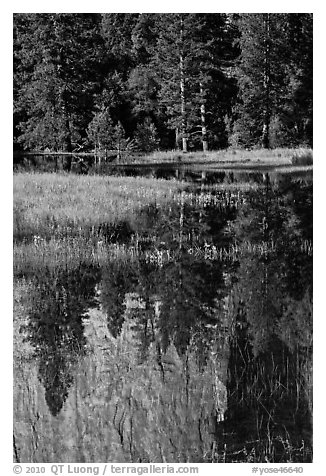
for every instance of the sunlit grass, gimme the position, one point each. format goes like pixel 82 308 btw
pixel 59 205
pixel 69 252
pixel 279 156
pixel 57 219
pixel 51 206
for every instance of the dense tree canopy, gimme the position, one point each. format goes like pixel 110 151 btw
pixel 275 56
pixel 58 65
pixel 166 80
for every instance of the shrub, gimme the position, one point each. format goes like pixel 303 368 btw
pixel 146 136
pixel 101 131
pixel 282 133
pixel 302 157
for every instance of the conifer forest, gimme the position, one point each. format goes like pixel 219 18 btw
pixel 154 81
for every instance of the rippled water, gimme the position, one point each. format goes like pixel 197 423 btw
pixel 197 348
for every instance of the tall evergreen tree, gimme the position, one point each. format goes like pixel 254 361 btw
pixel 212 56
pixel 261 75
pixel 116 31
pixel 169 63
pixel 192 53
pixel 298 110
pixel 57 70
pixel 274 80
pixel 142 83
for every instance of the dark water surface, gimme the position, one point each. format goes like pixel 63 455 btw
pixel 199 349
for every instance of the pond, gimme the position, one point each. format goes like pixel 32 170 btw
pixel 194 345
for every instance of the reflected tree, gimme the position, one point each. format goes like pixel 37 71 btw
pixel 269 388
pixel 188 287
pixel 55 329
pixel 118 278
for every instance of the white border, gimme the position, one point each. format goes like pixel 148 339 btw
pixel 6 189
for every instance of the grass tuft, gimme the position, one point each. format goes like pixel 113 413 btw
pixel 302 157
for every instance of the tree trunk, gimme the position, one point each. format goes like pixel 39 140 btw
pixel 181 221
pixel 177 139
pixel 67 146
pixel 267 112
pixel 182 93
pixel 119 151
pixel 67 140
pixel 203 121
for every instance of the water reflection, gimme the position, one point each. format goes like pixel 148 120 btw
pixel 208 174
pixel 269 393
pixel 55 328
pixel 184 357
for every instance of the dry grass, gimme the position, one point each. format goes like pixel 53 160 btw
pixel 239 157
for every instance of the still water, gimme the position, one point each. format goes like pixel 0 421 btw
pixel 198 349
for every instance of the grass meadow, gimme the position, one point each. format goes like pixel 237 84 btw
pixel 60 205
pixel 57 217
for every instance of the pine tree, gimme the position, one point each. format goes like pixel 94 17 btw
pixel 212 56
pixel 57 71
pixel 116 32
pixel 298 109
pixel 146 136
pixel 101 131
pixel 192 54
pixel 261 75
pixel 169 63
